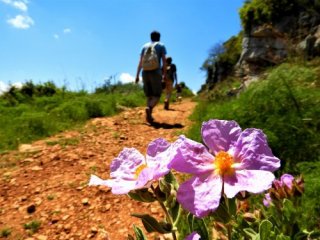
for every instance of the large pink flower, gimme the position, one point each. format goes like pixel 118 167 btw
pixel 131 170
pixel 232 161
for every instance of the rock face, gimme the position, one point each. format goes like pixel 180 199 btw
pixel 271 44
pixel 263 47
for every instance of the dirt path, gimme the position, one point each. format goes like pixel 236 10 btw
pixel 47 181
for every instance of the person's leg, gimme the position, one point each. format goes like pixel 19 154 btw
pixel 169 86
pixel 147 88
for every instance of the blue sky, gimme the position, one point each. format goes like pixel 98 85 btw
pixel 80 43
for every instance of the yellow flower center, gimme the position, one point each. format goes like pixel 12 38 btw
pixel 139 169
pixel 224 164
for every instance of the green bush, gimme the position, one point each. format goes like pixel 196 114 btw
pixel 24 118
pixel 258 12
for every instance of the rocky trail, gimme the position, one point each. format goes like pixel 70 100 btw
pixel 43 186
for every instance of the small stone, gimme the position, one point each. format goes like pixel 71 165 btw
pixel 31 209
pixel 41 237
pixel 85 201
pixel 154 210
pixel 65 217
pixel 23 198
pixel 37 190
pixel 94 230
pixel 36 168
pixel 67 228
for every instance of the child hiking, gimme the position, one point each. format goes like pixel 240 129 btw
pixel 170 81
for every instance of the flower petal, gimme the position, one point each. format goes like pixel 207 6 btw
pixel 125 165
pixel 254 181
pixel 146 176
pixel 96 181
pixel 287 180
pixel 121 186
pixel 190 157
pixel 220 135
pixel 267 200
pixel 157 146
pixel 193 236
pixel 253 152
pixel 200 195
pixel 158 157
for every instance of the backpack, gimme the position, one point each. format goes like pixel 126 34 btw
pixel 170 71
pixel 150 59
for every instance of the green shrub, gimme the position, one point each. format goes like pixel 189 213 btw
pixel 30 118
pixel 73 110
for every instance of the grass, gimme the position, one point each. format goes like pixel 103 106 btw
pixel 25 119
pixel 5 232
pixel 32 226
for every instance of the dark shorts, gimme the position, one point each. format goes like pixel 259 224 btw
pixel 152 83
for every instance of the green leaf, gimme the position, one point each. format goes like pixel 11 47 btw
pixel 175 212
pixel 283 237
pixel 151 224
pixel 251 233
pixel 232 206
pixel 288 209
pixel 139 233
pixel 265 229
pixel 165 187
pixel 142 195
pixel 221 214
pixel 170 178
pixel 198 225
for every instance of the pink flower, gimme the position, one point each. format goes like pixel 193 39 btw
pixel 285 180
pixel 233 161
pixel 193 236
pixel 267 200
pixel 131 170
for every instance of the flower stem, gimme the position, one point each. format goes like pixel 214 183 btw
pixel 229 229
pixel 168 216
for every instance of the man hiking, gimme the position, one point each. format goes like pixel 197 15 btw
pixel 171 81
pixel 152 62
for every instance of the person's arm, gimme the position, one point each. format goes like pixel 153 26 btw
pixel 175 76
pixel 164 67
pixel 139 69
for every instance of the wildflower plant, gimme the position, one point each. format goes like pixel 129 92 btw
pixel 229 167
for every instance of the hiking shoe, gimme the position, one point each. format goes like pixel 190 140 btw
pixel 166 105
pixel 149 118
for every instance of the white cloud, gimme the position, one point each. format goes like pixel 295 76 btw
pixel 22 22
pixel 3 87
pixel 126 78
pixel 56 36
pixel 21 5
pixel 67 30
pixel 18 85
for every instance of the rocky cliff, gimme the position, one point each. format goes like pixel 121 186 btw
pixel 270 44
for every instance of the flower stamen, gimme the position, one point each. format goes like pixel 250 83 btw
pixel 139 169
pixel 224 164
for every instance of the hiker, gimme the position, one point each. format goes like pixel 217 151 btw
pixel 179 91
pixel 170 81
pixel 153 55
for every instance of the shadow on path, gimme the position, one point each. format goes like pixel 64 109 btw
pixel 158 125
